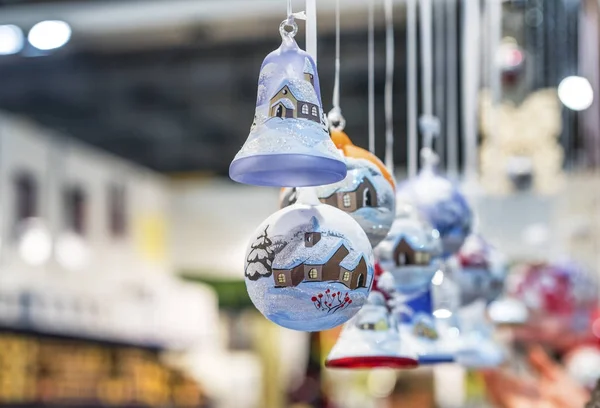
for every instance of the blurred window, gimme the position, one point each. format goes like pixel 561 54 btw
pixel 281 278
pixel 117 207
pixel 314 111
pixel 26 192
pixel 305 109
pixel 75 202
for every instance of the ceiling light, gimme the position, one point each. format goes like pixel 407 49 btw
pixel 49 35
pixel 11 39
pixel 576 93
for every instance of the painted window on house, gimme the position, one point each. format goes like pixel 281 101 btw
pixel 346 200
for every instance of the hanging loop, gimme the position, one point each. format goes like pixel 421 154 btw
pixel 336 119
pixel 288 28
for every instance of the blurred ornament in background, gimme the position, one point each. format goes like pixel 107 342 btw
pixel 412 250
pixel 441 202
pixel 481 270
pixel 510 58
pixel 309 266
pixel 562 295
pixel 371 340
pixel 289 143
pixel 367 192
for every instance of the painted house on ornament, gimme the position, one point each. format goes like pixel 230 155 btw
pixel 362 195
pixel 319 258
pixel 297 98
pixel 398 250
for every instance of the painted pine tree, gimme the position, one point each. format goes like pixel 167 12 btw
pixel 260 258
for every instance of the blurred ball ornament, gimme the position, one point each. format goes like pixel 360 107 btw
pixel 510 58
pixel 412 250
pixel 563 294
pixel 367 192
pixel 309 266
pixel 441 202
pixel 481 270
pixel 289 142
pixel 371 340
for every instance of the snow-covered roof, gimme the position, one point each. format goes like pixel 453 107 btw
pixel 351 261
pixel 308 68
pixel 285 102
pixel 358 170
pixel 296 253
pixel 301 89
pixel 416 235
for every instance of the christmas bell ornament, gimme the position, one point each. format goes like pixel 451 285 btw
pixel 371 340
pixel 309 266
pixel 366 194
pixel 441 202
pixel 289 142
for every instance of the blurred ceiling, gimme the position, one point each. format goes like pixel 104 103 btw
pixel 171 84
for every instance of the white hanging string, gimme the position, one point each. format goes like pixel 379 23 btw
pixel 411 84
pixel 427 120
pixel 470 82
pixel 336 84
pixel 451 89
pixel 289 8
pixel 371 68
pixel 335 117
pixel 311 28
pixel 389 85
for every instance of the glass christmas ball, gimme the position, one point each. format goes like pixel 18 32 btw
pixel 563 294
pixel 411 252
pixel 481 270
pixel 309 267
pixel 367 192
pixel 442 203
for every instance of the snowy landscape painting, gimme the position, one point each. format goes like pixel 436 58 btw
pixel 289 115
pixel 309 267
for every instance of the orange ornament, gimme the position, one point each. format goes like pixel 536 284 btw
pixel 342 141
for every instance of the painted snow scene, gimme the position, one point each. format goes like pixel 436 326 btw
pixel 289 116
pixel 364 194
pixel 309 267
pixel 371 339
pixel 442 203
pixel 412 250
